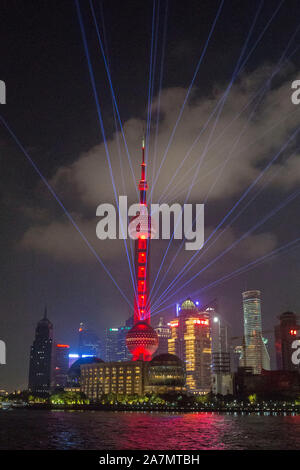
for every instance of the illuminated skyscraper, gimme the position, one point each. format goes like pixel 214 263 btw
pixel 41 357
pixel 220 343
pixel 88 342
pixel 123 353
pixel 164 333
pixel 111 344
pixel 255 352
pixel 191 342
pixel 115 344
pixel 60 365
pixel 221 361
pixel 141 339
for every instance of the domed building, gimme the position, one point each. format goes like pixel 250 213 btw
pixel 74 372
pixel 166 373
pixel 188 304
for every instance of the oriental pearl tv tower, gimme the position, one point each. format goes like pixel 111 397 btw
pixel 142 339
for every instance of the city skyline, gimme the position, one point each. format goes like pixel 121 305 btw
pixel 113 344
pixel 43 259
pixel 199 338
pixel 75 348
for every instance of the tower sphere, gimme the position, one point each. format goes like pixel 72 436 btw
pixel 142 341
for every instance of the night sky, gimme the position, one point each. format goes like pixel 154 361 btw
pixel 51 110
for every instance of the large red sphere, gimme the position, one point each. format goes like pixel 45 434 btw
pixel 142 341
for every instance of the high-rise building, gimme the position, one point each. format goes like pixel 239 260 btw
pixel 141 339
pixel 60 365
pixel 285 334
pixel 88 342
pixel 191 342
pixel 222 383
pixel 123 353
pixel 255 352
pixel 41 357
pixel 111 344
pixel 164 333
pixel 220 343
pixel 115 344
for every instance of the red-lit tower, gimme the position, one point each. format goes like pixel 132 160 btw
pixel 142 339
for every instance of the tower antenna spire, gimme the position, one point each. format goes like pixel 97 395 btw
pixel 142 339
pixel 143 186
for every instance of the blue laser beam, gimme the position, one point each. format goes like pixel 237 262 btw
pixel 236 69
pixel 151 80
pixel 188 91
pixel 100 119
pixel 117 128
pixel 112 91
pixel 237 272
pixel 267 85
pixel 159 93
pixel 51 190
pixel 246 192
pixel 220 101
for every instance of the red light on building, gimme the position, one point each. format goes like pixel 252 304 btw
pixel 142 257
pixel 141 271
pixel 293 332
pixel 142 300
pixel 141 286
pixel 201 322
pixel 142 245
pixel 62 346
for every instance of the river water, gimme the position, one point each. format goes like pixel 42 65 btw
pixel 107 430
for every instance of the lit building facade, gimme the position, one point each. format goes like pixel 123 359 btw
pixel 165 373
pixel 124 378
pixel 123 353
pixel 222 379
pixel 60 365
pixel 74 373
pixel 191 342
pixel 88 342
pixel 221 363
pixel 255 353
pixel 164 333
pixel 115 344
pixel 111 344
pixel 285 334
pixel 41 357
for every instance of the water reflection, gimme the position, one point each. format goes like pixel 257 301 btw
pixel 23 429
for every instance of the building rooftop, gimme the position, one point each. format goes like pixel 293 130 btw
pixel 166 358
pixel 188 304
